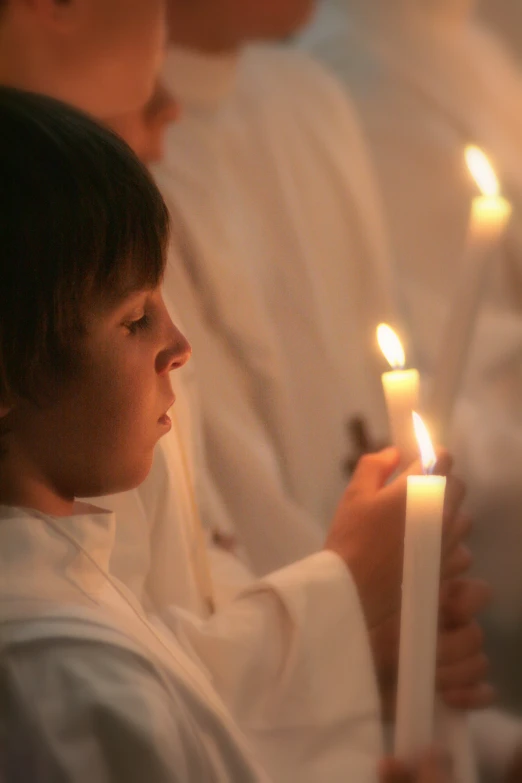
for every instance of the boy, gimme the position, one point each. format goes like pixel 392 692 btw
pixel 91 690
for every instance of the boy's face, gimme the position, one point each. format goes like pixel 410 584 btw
pixel 98 435
pixel 102 56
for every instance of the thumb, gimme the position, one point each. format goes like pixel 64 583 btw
pixel 374 470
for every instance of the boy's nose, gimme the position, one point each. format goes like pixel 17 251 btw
pixel 175 356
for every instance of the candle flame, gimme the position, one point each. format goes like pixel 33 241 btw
pixel 391 346
pixel 427 452
pixel 482 171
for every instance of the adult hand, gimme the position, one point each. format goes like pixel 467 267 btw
pixel 462 665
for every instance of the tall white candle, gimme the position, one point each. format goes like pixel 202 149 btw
pixel 401 392
pixel 420 606
pixel 490 214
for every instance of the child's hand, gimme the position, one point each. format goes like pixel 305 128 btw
pixel 368 531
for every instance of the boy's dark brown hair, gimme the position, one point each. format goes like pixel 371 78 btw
pixel 81 224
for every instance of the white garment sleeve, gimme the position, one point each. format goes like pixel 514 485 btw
pixel 291 659
pixel 84 713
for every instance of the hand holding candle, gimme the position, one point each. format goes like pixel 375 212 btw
pixel 401 391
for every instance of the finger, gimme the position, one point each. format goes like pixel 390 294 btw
pixel 461 600
pixel 394 771
pixel 455 554
pixel 476 697
pixel 453 499
pixel 459 644
pixel 457 562
pixel 471 671
pixel 374 470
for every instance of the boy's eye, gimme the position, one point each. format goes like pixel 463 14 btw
pixel 139 324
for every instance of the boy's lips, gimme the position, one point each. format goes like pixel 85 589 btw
pixel 165 419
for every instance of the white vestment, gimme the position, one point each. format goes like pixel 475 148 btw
pixel 279 247
pixel 93 689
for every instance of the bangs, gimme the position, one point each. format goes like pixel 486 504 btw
pixel 126 225
pixel 81 223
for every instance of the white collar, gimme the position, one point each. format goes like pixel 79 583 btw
pixel 33 544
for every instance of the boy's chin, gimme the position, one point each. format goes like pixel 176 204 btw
pixel 127 479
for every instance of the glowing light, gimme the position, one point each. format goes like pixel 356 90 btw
pixel 482 171
pixel 427 452
pixel 391 346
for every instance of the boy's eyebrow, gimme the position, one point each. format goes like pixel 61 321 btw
pixel 115 298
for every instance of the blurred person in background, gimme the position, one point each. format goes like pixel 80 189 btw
pixel 254 171
pixel 429 78
pixel 267 180
pixel 228 572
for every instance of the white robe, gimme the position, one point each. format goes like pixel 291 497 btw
pixel 92 689
pixel 266 176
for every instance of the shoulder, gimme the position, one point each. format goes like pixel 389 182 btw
pixel 288 84
pixel 80 710
pixel 283 68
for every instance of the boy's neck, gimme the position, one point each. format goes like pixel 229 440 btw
pixel 31 491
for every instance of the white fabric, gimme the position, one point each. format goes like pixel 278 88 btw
pixel 428 80
pixel 272 199
pixel 76 706
pixel 282 663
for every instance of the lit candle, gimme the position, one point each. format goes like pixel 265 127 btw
pixel 420 605
pixel 401 391
pixel 490 214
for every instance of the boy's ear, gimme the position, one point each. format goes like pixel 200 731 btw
pixel 5 409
